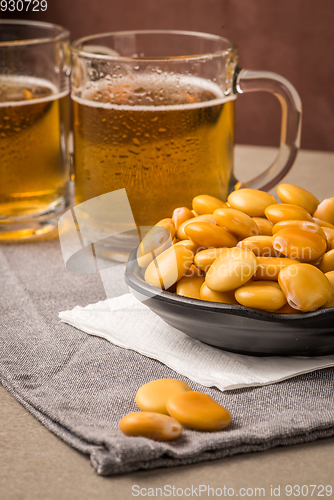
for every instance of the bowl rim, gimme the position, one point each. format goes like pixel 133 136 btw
pixel 133 279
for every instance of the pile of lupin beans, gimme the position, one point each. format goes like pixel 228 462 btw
pixel 167 405
pixel 249 251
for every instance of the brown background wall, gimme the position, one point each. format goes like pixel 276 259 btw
pixel 292 37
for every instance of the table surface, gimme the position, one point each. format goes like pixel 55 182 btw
pixel 36 465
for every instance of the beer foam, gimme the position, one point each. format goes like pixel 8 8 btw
pixel 23 81
pixel 184 84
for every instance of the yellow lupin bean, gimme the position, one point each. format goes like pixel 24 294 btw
pixel 299 224
pixel 299 244
pixel 188 244
pixel 252 202
pixel 305 287
pixel 222 297
pixel 205 204
pixel 330 277
pixel 260 245
pixel 231 269
pixel 205 258
pixel 154 395
pixel 151 425
pixel 323 223
pixel 293 195
pixel 270 267
pixel 264 295
pixel 168 224
pixel 329 236
pixel 236 222
pixel 156 241
pixel 198 411
pixel 169 266
pixel 208 235
pixel 327 262
pixel 181 215
pixel 189 286
pixel 279 212
pixel 325 211
pixel 180 233
pixel 265 227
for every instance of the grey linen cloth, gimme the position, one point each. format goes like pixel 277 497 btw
pixel 79 386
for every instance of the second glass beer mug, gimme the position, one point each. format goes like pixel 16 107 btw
pixel 34 159
pixel 153 112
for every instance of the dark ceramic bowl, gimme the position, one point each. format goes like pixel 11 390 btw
pixel 236 328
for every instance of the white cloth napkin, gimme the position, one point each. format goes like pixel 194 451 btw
pixel 128 323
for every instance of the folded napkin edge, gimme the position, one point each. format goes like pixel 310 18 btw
pixel 207 383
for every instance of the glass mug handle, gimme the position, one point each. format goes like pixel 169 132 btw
pixel 250 81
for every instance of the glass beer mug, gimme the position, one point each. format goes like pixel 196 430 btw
pixel 153 112
pixel 34 101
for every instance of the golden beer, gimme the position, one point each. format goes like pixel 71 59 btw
pixel 164 144
pixel 34 167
